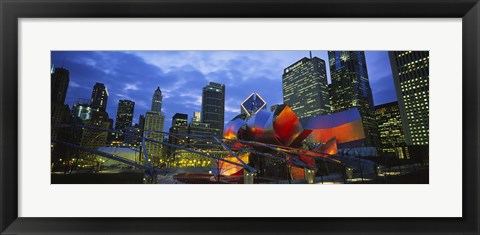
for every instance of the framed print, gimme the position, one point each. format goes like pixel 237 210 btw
pixel 239 117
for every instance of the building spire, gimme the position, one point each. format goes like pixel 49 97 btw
pixel 310 54
pixel 157 100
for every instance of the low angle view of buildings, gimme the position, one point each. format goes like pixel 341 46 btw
pixel 336 117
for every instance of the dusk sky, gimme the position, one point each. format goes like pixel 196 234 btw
pixel 181 75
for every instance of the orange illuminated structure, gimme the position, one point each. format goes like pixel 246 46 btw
pixel 283 127
pixel 282 130
pixel 228 169
pixel 345 126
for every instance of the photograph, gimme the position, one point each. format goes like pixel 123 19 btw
pixel 239 117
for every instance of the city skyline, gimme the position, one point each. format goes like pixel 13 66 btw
pixel 135 76
pixel 323 123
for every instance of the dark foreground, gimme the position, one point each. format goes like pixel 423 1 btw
pixel 95 178
pixel 418 177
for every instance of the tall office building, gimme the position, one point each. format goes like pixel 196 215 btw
pixel 99 97
pixel 252 104
pixel 111 135
pixel 330 95
pixel 124 114
pixel 141 123
pixel 154 123
pixel 198 128
pixel 179 126
pixel 305 87
pixel 157 101
pixel 213 107
pixel 60 112
pixel 133 137
pixel 60 79
pixel 410 71
pixel 390 127
pixel 351 89
pixel 196 117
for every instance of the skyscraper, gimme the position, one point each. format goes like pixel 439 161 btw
pixel 141 123
pixel 198 128
pixel 410 71
pixel 157 101
pixel 154 122
pixel 99 97
pixel 390 127
pixel 351 89
pixel 59 84
pixel 213 107
pixel 179 126
pixel 124 114
pixel 305 89
pixel 252 104
pixel 60 112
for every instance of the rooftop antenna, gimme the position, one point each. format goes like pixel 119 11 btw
pixel 310 54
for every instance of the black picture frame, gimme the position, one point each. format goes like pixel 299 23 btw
pixel 12 10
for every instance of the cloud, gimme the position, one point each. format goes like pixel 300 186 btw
pixel 194 99
pixel 142 104
pixel 73 84
pixel 124 97
pixel 131 86
pixel 230 109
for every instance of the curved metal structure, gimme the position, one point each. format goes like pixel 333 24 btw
pixel 281 131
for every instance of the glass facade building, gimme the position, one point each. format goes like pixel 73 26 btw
pixel 60 79
pixel 198 128
pixel 304 85
pixel 179 126
pixel 390 127
pixel 124 114
pixel 410 70
pixel 351 89
pixel 213 107
pixel 60 112
pixel 99 97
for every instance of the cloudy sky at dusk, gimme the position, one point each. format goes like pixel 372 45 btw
pixel 134 75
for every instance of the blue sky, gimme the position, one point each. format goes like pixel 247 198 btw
pixel 135 75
